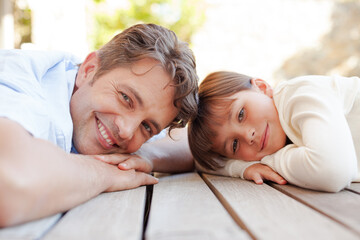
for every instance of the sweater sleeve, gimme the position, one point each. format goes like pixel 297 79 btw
pixel 232 168
pixel 323 155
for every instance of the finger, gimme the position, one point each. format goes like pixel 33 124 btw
pixel 112 158
pixel 136 163
pixel 133 179
pixel 275 177
pixel 257 179
pixel 146 179
pixel 122 180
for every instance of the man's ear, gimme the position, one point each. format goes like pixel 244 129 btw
pixel 87 69
pixel 262 86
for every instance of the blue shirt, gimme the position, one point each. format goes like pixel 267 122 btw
pixel 35 91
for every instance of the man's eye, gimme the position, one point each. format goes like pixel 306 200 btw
pixel 147 127
pixel 126 98
pixel 241 115
pixel 234 145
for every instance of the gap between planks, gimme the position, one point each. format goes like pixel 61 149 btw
pixel 148 199
pixel 312 206
pixel 227 206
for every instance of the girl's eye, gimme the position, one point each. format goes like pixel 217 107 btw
pixel 147 127
pixel 234 145
pixel 241 115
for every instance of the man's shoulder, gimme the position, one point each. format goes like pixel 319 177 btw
pixel 31 65
pixel 23 56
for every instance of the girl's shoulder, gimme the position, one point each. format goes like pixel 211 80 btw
pixel 308 80
pixel 325 84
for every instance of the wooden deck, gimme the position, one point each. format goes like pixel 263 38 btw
pixel 192 206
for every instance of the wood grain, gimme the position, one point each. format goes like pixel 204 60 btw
pixel 29 231
pixel 183 207
pixel 343 206
pixel 116 215
pixel 269 214
pixel 355 187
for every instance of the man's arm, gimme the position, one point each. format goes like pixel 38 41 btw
pixel 38 179
pixel 169 154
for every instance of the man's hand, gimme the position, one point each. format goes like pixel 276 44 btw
pixel 128 179
pixel 42 172
pixel 260 172
pixel 127 162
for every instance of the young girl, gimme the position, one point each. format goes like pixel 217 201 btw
pixel 307 129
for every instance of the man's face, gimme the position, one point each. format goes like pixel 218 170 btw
pixel 121 109
pixel 252 128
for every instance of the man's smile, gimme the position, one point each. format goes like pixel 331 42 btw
pixel 104 135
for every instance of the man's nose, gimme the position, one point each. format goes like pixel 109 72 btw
pixel 127 126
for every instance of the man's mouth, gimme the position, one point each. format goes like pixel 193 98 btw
pixel 105 139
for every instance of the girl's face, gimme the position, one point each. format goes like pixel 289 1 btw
pixel 252 129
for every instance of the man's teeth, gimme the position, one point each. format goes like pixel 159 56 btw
pixel 103 133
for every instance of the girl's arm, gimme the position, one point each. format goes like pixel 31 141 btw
pixel 232 168
pixel 249 170
pixel 323 155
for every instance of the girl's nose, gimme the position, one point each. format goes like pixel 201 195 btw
pixel 250 136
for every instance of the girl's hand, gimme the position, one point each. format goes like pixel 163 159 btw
pixel 259 172
pixel 127 161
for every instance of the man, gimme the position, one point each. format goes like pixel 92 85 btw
pixel 139 83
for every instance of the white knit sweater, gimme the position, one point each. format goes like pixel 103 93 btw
pixel 321 116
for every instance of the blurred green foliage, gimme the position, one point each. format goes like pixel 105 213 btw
pixel 184 17
pixel 22 24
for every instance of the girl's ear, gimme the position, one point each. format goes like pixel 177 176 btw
pixel 87 69
pixel 262 86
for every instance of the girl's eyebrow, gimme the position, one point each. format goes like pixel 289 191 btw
pixel 225 143
pixel 231 112
pixel 230 116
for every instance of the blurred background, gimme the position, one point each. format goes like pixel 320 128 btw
pixel 273 40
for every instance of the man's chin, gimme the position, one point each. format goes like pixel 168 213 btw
pixel 88 150
pixel 96 150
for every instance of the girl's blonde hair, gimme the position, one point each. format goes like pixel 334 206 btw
pixel 213 106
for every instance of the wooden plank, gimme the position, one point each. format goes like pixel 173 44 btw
pixel 183 207
pixel 270 214
pixel 116 215
pixel 343 206
pixel 31 230
pixel 355 187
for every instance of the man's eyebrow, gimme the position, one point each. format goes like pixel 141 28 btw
pixel 156 125
pixel 137 96
pixel 141 103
